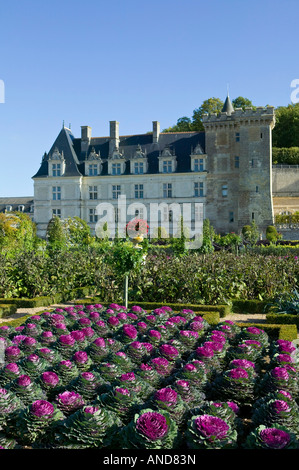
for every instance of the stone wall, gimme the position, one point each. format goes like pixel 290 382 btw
pixel 285 180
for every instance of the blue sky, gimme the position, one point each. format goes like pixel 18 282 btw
pixel 132 61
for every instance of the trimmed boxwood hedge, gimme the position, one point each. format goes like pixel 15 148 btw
pixel 286 332
pixel 248 306
pixel 7 309
pixel 282 319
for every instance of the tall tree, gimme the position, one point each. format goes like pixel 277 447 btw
pixel 211 105
pixel 241 102
pixel 286 130
pixel 17 231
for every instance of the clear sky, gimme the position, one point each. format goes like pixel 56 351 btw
pixel 134 61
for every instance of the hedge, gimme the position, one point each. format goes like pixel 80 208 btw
pixel 248 306
pixel 285 332
pixel 7 309
pixel 282 319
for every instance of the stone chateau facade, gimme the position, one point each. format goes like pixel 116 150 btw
pixel 226 170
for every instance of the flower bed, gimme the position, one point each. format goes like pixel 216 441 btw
pixel 89 376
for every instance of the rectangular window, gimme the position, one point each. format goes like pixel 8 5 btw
pixel 139 213
pixel 252 216
pixel 198 189
pixel 231 216
pixel 56 169
pixel 138 168
pixel 56 193
pixel 167 190
pixel 237 162
pixel 138 191
pixel 116 168
pixel 56 213
pixel 167 166
pixel 224 191
pixel 93 218
pixel 116 191
pixel 93 192
pixel 256 189
pixel 199 164
pixel 237 136
pixel 92 169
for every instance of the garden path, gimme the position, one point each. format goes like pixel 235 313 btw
pixel 248 318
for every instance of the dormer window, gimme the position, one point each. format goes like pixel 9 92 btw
pixel 21 208
pixel 56 169
pixel 116 169
pixel 56 163
pixel 138 162
pixel 116 163
pixel 8 209
pixel 167 161
pixel 167 166
pixel 199 164
pixel 93 164
pixel 138 168
pixel 198 159
pixel 93 169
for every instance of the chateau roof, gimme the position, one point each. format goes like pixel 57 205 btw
pixel 15 202
pixel 180 144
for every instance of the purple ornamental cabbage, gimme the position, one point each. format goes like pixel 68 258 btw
pixel 210 432
pixel 69 402
pixel 150 430
pixel 273 437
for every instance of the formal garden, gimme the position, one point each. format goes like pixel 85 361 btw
pixel 143 357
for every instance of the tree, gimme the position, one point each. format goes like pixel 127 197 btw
pixel 183 124
pixel 241 102
pixel 250 233
pixel 56 234
pixel 77 231
pixel 17 232
pixel 286 130
pixel 208 234
pixel 211 105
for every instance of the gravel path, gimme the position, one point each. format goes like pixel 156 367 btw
pixel 248 318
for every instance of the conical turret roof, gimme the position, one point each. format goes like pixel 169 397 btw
pixel 228 107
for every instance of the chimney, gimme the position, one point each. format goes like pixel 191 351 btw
pixel 85 138
pixel 114 136
pixel 156 131
pixel 85 133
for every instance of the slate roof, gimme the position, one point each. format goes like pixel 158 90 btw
pixel 181 143
pixel 15 202
pixel 228 107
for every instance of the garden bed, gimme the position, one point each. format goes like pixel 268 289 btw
pixel 88 376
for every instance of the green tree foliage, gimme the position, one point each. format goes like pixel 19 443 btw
pixel 208 235
pixel 71 231
pixel 241 102
pixel 55 234
pixel 286 130
pixel 77 231
pixel 210 105
pixel 250 233
pixel 285 156
pixel 17 232
pixel 271 234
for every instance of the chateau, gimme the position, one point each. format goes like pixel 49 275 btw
pixel 227 168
